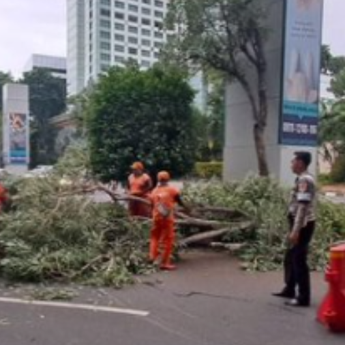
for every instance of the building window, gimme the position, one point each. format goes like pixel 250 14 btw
pixel 146 32
pixel 133 19
pixel 158 25
pixel 159 45
pixel 105 23
pixel 105 2
pixel 158 35
pixel 146 11
pixel 105 45
pixel 119 59
pixel 133 40
pixel 146 42
pixel 133 29
pixel 105 34
pixel 133 51
pixel 119 4
pixel 159 14
pixel 119 27
pixel 105 57
pixel 105 13
pixel 145 63
pixel 105 67
pixel 147 2
pixel 157 55
pixel 133 8
pixel 119 37
pixel 145 21
pixel 119 48
pixel 119 16
pixel 159 3
pixel 145 53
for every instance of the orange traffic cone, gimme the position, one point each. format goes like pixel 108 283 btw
pixel 332 310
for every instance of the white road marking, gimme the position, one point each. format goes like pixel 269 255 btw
pixel 94 308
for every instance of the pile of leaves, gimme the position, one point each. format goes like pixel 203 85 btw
pixel 266 204
pixel 55 232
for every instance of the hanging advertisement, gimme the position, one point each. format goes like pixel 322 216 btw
pixel 301 72
pixel 18 138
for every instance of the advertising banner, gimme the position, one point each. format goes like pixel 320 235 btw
pixel 18 138
pixel 301 72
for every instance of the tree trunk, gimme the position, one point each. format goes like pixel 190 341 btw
pixel 259 111
pixel 259 139
pixel 260 126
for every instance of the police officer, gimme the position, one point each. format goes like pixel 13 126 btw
pixel 302 224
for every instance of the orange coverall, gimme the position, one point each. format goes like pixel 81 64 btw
pixel 3 195
pixel 163 229
pixel 138 187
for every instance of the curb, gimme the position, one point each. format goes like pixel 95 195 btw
pixel 333 194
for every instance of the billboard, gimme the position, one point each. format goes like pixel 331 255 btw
pixel 301 72
pixel 18 139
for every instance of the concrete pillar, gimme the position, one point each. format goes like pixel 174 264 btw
pixel 16 128
pixel 292 27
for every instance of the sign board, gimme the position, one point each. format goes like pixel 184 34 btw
pixel 18 139
pixel 301 72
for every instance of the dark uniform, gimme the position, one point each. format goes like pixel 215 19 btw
pixel 301 220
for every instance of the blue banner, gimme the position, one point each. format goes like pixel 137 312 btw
pixel 301 72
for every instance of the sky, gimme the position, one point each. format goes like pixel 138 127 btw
pixel 39 27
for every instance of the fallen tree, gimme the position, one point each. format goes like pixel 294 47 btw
pixel 54 230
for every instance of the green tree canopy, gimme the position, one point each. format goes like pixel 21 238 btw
pixel 332 128
pixel 141 115
pixel 47 95
pixel 338 84
pixel 326 57
pixel 227 36
pixel 4 78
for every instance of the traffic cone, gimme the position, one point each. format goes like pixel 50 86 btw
pixel 332 310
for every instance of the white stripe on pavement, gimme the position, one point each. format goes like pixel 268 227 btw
pixel 91 307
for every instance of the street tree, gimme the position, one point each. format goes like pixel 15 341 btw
pixel 4 78
pixel 337 64
pixel 47 95
pixel 141 115
pixel 338 84
pixel 326 58
pixel 229 37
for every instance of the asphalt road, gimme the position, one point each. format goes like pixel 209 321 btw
pixel 207 301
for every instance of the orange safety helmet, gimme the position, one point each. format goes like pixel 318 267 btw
pixel 137 166
pixel 163 176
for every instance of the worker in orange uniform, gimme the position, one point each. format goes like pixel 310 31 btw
pixel 139 185
pixel 164 198
pixel 3 196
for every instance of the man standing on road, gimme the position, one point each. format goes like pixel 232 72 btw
pixel 164 198
pixel 139 185
pixel 302 225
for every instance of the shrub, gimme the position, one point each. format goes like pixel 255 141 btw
pixel 337 174
pixel 141 115
pixel 207 170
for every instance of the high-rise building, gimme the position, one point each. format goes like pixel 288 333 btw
pixel 56 65
pixel 76 40
pixel 104 33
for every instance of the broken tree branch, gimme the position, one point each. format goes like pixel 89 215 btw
pixel 215 233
